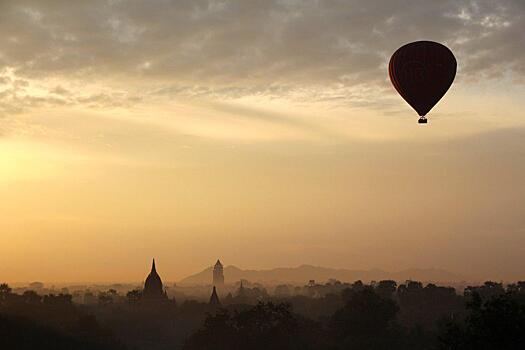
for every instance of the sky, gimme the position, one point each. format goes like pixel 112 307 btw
pixel 265 133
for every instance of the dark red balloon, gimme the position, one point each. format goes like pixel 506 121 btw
pixel 422 72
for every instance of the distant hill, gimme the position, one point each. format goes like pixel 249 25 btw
pixel 302 274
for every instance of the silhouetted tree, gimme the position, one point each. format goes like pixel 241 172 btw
pixel 425 306
pixel 31 297
pixel 497 323
pixel 22 334
pixel 264 326
pixel 104 298
pixel 386 288
pixel 282 290
pixel 367 321
pixel 517 288
pixel 60 299
pixel 365 312
pixel 5 291
pixel 133 296
pixel 488 290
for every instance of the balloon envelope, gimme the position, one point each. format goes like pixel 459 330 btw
pixel 422 72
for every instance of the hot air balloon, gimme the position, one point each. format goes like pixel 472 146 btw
pixel 422 72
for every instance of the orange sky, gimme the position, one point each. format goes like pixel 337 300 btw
pixel 265 134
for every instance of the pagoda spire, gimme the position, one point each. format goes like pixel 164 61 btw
pixel 153 269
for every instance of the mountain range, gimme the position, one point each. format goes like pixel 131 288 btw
pixel 302 274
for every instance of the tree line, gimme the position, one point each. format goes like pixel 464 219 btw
pixel 331 316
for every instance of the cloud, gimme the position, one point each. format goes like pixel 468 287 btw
pixel 227 49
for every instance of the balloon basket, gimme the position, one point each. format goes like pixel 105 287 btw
pixel 422 120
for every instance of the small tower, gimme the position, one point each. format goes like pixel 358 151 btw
pixel 214 299
pixel 241 290
pixel 218 275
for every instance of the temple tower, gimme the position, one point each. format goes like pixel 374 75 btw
pixel 153 288
pixel 218 275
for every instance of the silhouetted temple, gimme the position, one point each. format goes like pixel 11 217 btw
pixel 214 299
pixel 153 288
pixel 218 276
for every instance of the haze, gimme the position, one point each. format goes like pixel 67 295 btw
pixel 265 133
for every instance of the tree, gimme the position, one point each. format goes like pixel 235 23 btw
pixel 264 326
pixel 517 288
pixel 386 288
pixel 133 296
pixel 218 333
pixel 365 313
pixel 367 321
pixel 498 323
pixel 31 297
pixel 5 291
pixel 104 298
pixel 488 290
pixel 60 299
pixel 282 290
